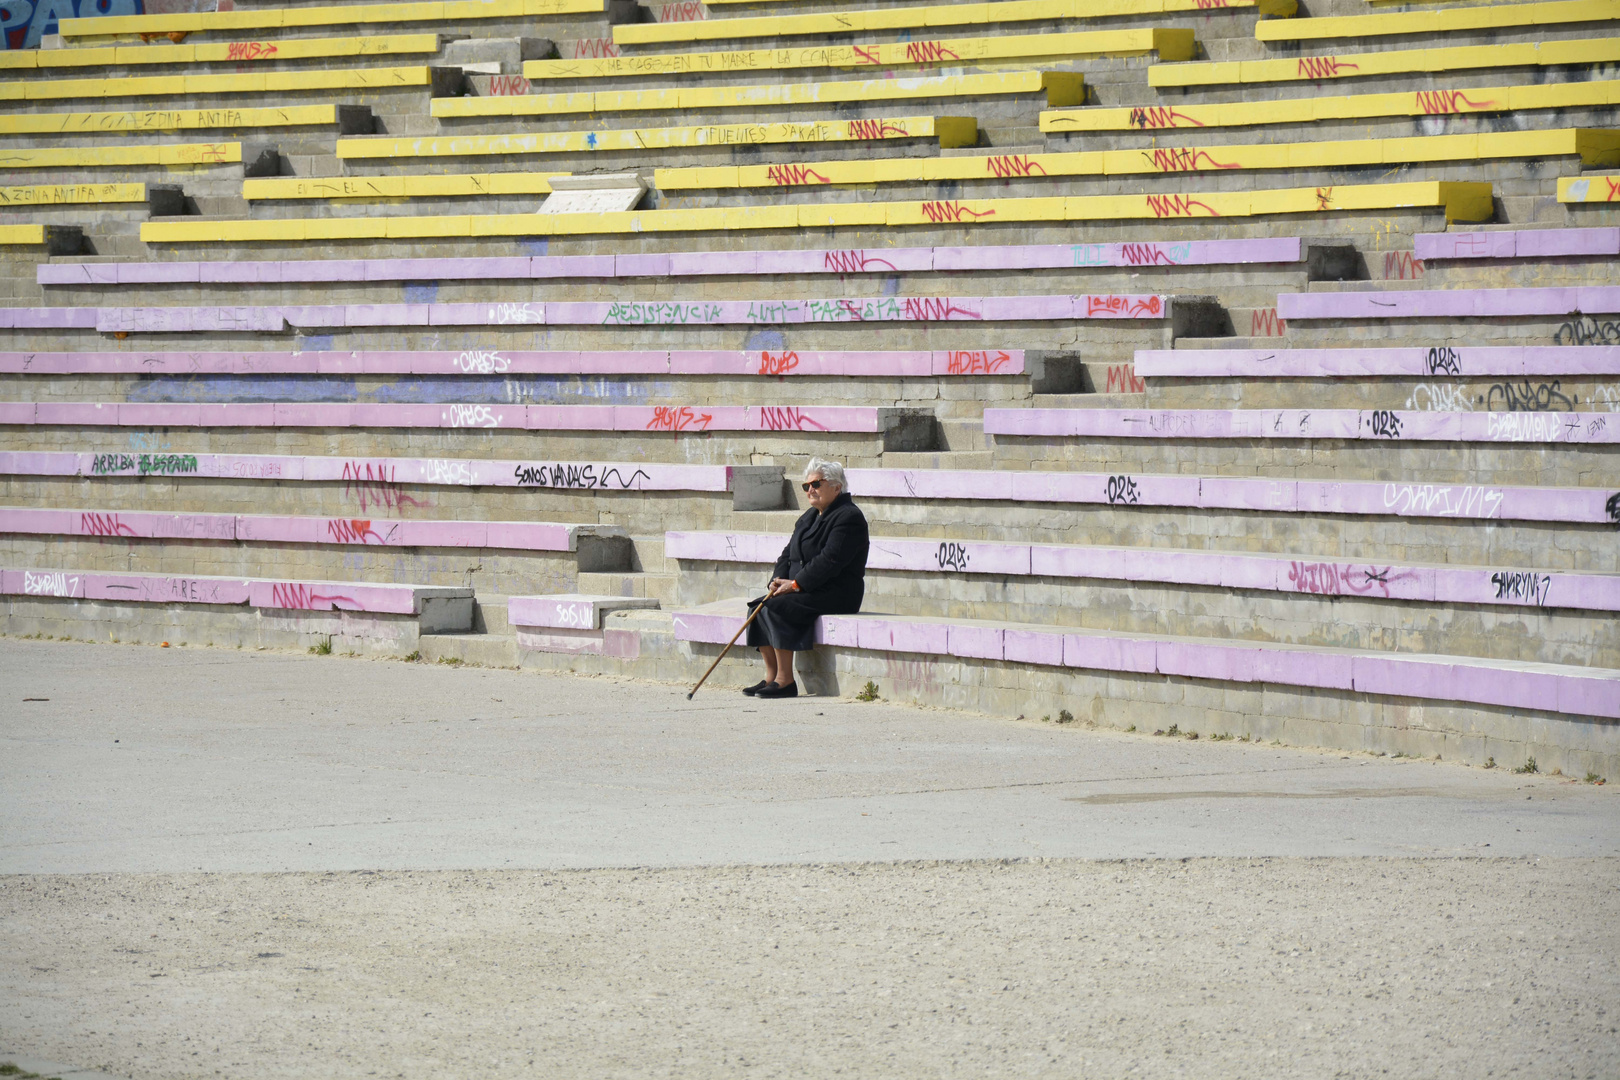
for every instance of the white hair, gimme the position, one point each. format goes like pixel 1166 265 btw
pixel 830 471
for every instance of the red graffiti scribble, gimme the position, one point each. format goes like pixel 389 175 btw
pixel 777 363
pixel 352 531
pixel 508 86
pixel 976 363
pixel 928 52
pixel 1168 159
pixel 302 598
pixel 667 418
pixel 1401 265
pixel 685 11
pixel 1145 255
pixel 1122 306
pixel 1207 4
pixel 374 486
pixel 1014 165
pixel 1176 206
pixel 1614 188
pixel 1324 67
pixel 852 309
pixel 594 49
pixel 788 175
pixel 787 419
pixel 249 50
pixel 1440 102
pixel 1263 322
pixel 876 129
pixel 938 212
pixel 1122 378
pixel 852 262
pixel 1324 198
pixel 865 56
pixel 1331 579
pixel 1159 116
pixel 103 525
pixel 935 308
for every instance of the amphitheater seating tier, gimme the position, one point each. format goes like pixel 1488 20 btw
pixel 1439 21
pixel 1399 363
pixel 1449 303
pixel 106 157
pixel 60 194
pixel 332 15
pixel 267 594
pixel 167 120
pixel 1518 244
pixel 231 52
pixel 1375 425
pixel 206 86
pixel 1361 65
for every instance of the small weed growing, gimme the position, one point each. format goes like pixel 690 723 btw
pixel 1243 738
pixel 1159 732
pixel 10 1069
pixel 1175 729
pixel 1065 716
pixel 1490 763
pixel 413 656
pixel 1192 735
pixel 1528 767
pixel 322 647
pixel 869 692
pixel 450 661
pixel 1131 728
pixel 1594 778
pixel 1047 719
pixel 1221 738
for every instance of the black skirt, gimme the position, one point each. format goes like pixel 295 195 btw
pixel 789 621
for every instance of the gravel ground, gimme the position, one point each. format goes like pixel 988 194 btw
pixel 1331 967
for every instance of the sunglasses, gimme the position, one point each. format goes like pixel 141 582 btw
pixel 812 484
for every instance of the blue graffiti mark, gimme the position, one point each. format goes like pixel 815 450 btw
pixel 765 339
pixel 313 343
pixel 421 292
pixel 891 286
pixel 590 140
pixel 235 388
pixel 24 22
pixel 534 247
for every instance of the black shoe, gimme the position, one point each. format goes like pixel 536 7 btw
pixel 757 687
pixel 790 690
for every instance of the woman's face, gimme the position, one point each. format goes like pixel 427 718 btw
pixel 822 492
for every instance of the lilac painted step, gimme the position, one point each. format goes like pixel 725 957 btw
pixel 764 362
pixel 1376 425
pixel 1405 500
pixel 514 535
pixel 1463 361
pixel 569 611
pixel 656 418
pixel 1451 303
pixel 1579 691
pixel 1518 244
pixel 683 264
pixel 930 309
pixel 458 472
pixel 254 592
pixel 1310 574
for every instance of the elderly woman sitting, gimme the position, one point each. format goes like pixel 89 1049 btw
pixel 822 571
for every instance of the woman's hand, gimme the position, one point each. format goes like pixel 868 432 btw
pixel 781 585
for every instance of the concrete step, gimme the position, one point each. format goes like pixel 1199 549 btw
pixel 482 650
pixel 660 587
pixel 405 125
pixel 316 165
pixel 965 434
pixel 970 459
pixel 226 206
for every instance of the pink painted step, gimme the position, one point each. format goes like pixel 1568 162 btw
pixel 1307 574
pixel 1392 499
pixel 569 611
pixel 1451 303
pixel 1518 244
pixel 684 264
pixel 516 535
pixel 1593 692
pixel 1375 425
pixel 258 593
pixel 1441 361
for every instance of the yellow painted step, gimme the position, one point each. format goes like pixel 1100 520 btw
pixel 1059 86
pixel 1170 44
pixel 1601 188
pixel 334 15
pixel 22 234
pixel 166 120
pixel 1345 107
pixel 951 131
pixel 397 187
pixel 248 83
pixel 68 157
pixel 1597 148
pixel 1459 201
pixel 241 52
pixel 58 194
pixel 1603 50
pixel 1445 20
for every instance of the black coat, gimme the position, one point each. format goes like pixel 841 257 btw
pixel 827 557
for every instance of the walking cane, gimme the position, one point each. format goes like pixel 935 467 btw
pixel 729 644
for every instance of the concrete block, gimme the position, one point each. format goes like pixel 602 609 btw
pixel 1334 262
pixel 759 487
pixel 165 200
